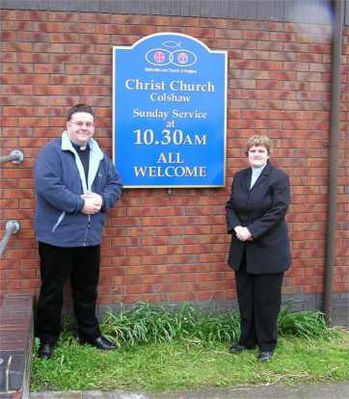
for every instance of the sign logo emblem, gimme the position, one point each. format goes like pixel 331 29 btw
pixel 171 54
pixel 159 57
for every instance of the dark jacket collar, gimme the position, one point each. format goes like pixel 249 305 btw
pixel 264 174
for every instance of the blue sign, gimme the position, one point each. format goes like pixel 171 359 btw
pixel 169 112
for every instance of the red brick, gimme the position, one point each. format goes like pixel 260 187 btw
pixel 279 83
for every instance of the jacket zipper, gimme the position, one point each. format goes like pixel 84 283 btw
pixel 88 228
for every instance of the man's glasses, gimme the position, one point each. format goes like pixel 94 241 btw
pixel 89 125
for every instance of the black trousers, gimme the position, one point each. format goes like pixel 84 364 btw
pixel 81 265
pixel 259 299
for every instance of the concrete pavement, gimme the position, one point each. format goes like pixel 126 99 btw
pixel 338 390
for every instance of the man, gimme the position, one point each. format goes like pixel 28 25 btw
pixel 76 184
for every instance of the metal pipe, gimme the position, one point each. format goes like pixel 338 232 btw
pixel 7 374
pixel 333 156
pixel 12 227
pixel 16 156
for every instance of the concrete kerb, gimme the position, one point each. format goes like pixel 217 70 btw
pixel 333 390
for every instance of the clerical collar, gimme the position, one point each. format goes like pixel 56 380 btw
pixel 79 147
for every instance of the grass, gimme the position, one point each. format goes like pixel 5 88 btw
pixel 165 351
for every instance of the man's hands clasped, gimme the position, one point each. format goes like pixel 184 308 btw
pixel 93 203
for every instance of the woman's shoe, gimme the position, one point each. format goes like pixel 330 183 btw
pixel 237 348
pixel 264 356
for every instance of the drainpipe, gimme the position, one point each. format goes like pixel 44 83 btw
pixel 333 156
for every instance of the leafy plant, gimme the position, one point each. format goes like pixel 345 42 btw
pixel 146 323
pixel 309 325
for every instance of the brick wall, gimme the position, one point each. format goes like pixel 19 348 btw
pixel 173 247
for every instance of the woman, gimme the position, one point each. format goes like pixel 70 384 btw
pixel 259 250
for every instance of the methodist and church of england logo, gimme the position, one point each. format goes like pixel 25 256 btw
pixel 171 53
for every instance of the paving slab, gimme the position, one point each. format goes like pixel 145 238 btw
pixel 16 339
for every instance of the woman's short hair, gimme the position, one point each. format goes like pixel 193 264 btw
pixel 80 108
pixel 257 140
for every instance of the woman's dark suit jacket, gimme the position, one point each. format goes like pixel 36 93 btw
pixel 262 210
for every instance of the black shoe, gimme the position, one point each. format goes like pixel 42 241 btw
pixel 264 356
pixel 238 348
pixel 45 350
pixel 100 342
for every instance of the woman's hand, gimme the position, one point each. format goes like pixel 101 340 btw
pixel 243 233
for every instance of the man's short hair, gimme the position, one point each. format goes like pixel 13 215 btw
pixel 80 108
